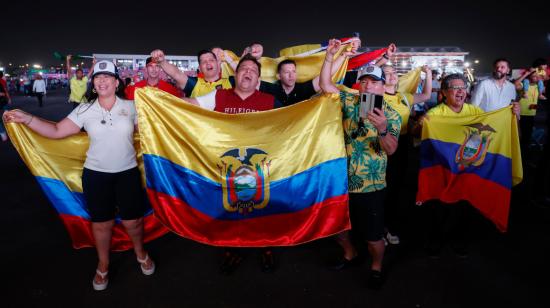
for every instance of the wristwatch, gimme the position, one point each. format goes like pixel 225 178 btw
pixel 385 56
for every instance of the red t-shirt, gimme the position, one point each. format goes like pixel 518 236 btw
pixel 162 85
pixel 227 101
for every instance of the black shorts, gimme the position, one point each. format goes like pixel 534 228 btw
pixel 367 214
pixel 113 194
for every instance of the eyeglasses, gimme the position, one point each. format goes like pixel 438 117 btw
pixel 458 87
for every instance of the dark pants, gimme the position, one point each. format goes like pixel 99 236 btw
pixel 449 223
pixel 39 95
pixel 526 124
pixel 397 181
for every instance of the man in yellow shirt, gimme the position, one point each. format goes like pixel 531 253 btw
pixel 78 83
pixel 450 221
pixel 528 104
pixel 195 86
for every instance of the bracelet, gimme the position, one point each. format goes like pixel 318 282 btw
pixel 383 134
pixel 32 117
pixel 385 56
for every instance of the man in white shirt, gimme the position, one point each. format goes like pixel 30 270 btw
pixel 496 92
pixel 39 89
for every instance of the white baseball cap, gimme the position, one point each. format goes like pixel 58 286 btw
pixel 105 67
pixel 374 72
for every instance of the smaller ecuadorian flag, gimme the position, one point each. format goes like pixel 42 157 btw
pixel 474 158
pixel 57 166
pixel 273 178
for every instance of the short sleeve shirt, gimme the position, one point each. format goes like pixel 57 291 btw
pixel 532 99
pixel 162 85
pixel 444 110
pixel 227 101
pixel 301 92
pixel 367 160
pixel 78 89
pixel 401 103
pixel 111 134
pixel 196 87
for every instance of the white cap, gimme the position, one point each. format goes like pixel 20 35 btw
pixel 372 71
pixel 105 67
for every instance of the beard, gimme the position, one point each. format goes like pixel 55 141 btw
pixel 498 75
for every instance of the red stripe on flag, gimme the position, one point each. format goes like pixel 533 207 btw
pixel 81 234
pixel 365 58
pixel 320 220
pixel 490 198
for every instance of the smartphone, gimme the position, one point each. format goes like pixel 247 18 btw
pixel 368 103
pixel 378 101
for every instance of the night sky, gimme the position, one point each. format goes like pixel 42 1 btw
pixel 32 31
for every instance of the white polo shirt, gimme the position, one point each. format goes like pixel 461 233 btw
pixel 112 142
pixel 489 96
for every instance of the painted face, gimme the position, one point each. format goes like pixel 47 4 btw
pixel 248 76
pixel 371 85
pixel 287 75
pixel 209 66
pixel 456 94
pixel 105 85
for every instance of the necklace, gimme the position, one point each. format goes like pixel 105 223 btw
pixel 103 116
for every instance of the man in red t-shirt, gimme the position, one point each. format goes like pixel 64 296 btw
pixel 244 97
pixel 153 80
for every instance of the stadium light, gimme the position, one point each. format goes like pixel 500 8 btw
pixel 466 64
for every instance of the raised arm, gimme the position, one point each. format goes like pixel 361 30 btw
pixel 386 57
pixel 519 82
pixel 325 78
pixel 51 130
pixel 355 44
pixel 69 71
pixel 170 69
pixel 427 91
pixel 91 70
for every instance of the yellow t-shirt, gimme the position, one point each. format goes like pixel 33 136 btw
pixel 203 87
pixel 444 110
pixel 401 103
pixel 532 99
pixel 78 89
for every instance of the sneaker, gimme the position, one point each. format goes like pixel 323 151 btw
pixel 4 137
pixel 392 239
pixel 375 280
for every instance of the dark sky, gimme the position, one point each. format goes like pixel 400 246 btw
pixel 34 30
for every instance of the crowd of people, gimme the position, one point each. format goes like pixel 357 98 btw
pixel 111 179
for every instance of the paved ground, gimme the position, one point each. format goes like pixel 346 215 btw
pixel 39 268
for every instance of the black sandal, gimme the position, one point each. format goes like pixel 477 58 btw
pixel 231 260
pixel 268 262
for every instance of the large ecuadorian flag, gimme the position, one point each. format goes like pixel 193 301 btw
pixel 473 158
pixel 246 180
pixel 57 166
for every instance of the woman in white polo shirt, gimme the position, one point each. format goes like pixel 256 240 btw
pixel 111 179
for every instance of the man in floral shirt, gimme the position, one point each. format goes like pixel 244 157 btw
pixel 368 142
